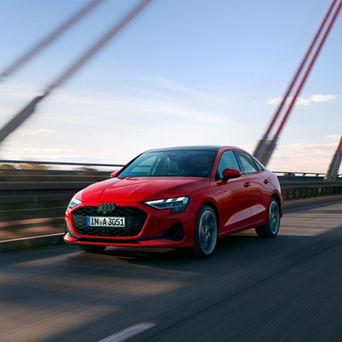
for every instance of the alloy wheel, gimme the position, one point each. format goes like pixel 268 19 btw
pixel 207 232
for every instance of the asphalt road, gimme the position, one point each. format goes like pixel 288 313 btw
pixel 285 289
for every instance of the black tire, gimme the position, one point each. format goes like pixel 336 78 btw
pixel 271 228
pixel 92 249
pixel 206 232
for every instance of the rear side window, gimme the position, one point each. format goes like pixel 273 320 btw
pixel 227 161
pixel 259 167
pixel 247 162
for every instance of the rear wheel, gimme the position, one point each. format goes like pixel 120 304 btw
pixel 92 249
pixel 271 228
pixel 206 230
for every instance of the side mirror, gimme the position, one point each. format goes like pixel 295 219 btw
pixel 113 174
pixel 230 173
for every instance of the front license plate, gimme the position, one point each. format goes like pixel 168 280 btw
pixel 94 221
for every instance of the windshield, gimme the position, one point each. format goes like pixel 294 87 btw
pixel 171 164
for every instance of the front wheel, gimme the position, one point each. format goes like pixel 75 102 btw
pixel 271 228
pixel 92 249
pixel 206 230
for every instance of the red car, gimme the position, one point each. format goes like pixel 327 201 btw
pixel 181 197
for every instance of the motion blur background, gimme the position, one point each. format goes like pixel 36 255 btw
pixel 183 73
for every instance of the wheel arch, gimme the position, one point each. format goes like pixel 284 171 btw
pixel 213 206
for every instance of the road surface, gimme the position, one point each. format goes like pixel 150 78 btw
pixel 285 289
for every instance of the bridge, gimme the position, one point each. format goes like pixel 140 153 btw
pixel 250 290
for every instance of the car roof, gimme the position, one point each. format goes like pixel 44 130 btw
pixel 192 148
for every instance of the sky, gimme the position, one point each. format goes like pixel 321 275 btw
pixel 185 72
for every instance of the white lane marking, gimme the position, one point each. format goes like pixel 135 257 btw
pixel 129 332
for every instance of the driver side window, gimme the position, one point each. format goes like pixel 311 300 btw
pixel 227 161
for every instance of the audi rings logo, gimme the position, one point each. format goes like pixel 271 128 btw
pixel 105 208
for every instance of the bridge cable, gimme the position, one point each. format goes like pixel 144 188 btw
pixel 301 66
pixel 30 108
pixel 48 39
pixel 272 144
pixel 264 148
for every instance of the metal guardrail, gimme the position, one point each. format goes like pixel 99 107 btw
pixel 15 163
pixel 296 190
pixel 303 174
pixel 91 169
pixel 37 171
pixel 299 174
pixel 11 161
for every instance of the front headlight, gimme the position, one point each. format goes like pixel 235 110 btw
pixel 74 203
pixel 177 204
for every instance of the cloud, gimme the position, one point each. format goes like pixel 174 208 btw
pixel 34 131
pixel 334 136
pixel 160 97
pixel 111 127
pixel 316 98
pixel 19 90
pixel 39 153
pixel 302 157
pixel 322 98
pixel 5 111
pixel 182 91
pixel 114 127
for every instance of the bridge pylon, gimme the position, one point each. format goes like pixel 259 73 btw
pixel 335 163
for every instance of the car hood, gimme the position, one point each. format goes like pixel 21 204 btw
pixel 139 189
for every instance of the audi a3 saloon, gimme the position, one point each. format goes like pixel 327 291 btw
pixel 181 197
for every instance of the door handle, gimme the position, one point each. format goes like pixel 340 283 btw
pixel 266 181
pixel 246 185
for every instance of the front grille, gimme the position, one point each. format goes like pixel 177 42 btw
pixel 135 219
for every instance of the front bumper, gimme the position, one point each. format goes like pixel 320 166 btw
pixel 160 229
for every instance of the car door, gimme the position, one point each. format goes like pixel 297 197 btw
pixel 254 186
pixel 232 195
